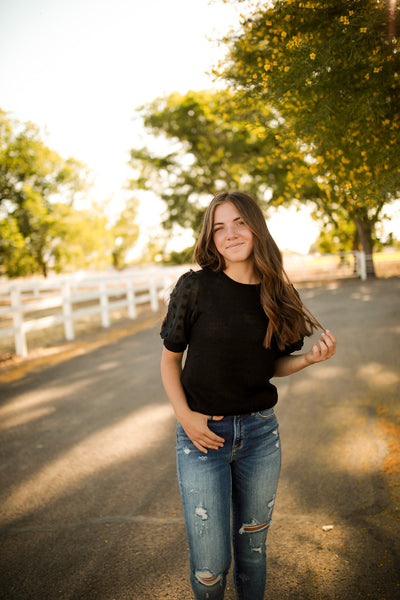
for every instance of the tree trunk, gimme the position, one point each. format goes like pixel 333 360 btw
pixel 42 263
pixel 43 267
pixel 364 230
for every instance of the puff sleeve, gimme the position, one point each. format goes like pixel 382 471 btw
pixel 182 310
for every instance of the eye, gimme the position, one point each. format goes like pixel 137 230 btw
pixel 217 229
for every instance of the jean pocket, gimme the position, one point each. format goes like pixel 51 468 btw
pixel 267 413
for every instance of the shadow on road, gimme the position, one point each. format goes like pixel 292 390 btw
pixel 88 480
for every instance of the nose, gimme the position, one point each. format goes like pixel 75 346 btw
pixel 231 232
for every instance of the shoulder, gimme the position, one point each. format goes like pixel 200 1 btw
pixel 205 276
pixel 185 289
pixel 193 279
pixel 186 281
pixel 190 285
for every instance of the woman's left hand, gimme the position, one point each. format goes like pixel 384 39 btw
pixel 323 349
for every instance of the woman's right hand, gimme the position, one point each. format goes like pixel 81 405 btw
pixel 196 428
pixel 194 423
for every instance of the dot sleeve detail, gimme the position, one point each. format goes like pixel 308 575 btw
pixel 175 329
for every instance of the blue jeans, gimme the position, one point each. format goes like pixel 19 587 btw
pixel 228 496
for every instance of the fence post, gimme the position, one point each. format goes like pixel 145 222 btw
pixel 130 295
pixel 18 319
pixel 105 315
pixel 67 311
pixel 362 265
pixel 153 294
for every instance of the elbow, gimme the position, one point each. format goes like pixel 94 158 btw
pixel 170 360
pixel 278 374
pixel 278 368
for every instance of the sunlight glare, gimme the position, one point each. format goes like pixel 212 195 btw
pixel 119 442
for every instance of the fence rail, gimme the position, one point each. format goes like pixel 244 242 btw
pixel 69 299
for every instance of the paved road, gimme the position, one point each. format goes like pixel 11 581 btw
pixel 89 501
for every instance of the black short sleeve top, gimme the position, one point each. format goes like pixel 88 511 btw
pixel 222 325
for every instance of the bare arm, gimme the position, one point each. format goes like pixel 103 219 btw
pixel 194 423
pixel 322 350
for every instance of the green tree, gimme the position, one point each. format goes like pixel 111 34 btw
pixel 125 233
pixel 15 261
pixel 334 238
pixel 183 257
pixel 217 143
pixel 37 191
pixel 331 68
pixel 81 239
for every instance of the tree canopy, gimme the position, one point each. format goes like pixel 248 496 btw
pixel 40 226
pixel 312 113
pixel 31 176
pixel 218 143
pixel 331 68
pixel 125 233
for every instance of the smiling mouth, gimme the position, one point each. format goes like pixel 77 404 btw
pixel 235 245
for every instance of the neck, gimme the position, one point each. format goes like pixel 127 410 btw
pixel 242 273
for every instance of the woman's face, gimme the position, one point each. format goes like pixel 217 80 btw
pixel 232 237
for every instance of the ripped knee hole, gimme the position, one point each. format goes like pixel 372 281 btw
pixel 253 527
pixel 207 578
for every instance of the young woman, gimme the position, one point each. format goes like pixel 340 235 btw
pixel 240 319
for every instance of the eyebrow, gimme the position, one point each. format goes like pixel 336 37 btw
pixel 237 219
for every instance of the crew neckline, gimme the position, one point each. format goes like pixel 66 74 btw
pixel 249 285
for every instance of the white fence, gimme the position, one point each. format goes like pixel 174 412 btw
pixel 23 304
pixel 312 267
pixel 36 305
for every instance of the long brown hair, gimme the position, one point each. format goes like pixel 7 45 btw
pixel 288 318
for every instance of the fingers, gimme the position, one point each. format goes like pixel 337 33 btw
pixel 329 341
pixel 211 440
pixel 201 435
pixel 205 443
pixel 325 347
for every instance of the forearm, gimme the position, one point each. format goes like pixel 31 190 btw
pixel 322 350
pixel 171 370
pixel 287 365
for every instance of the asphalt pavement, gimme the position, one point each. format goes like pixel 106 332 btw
pixel 89 503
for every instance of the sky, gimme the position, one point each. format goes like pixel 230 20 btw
pixel 79 68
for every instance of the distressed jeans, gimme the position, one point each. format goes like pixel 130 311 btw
pixel 228 497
